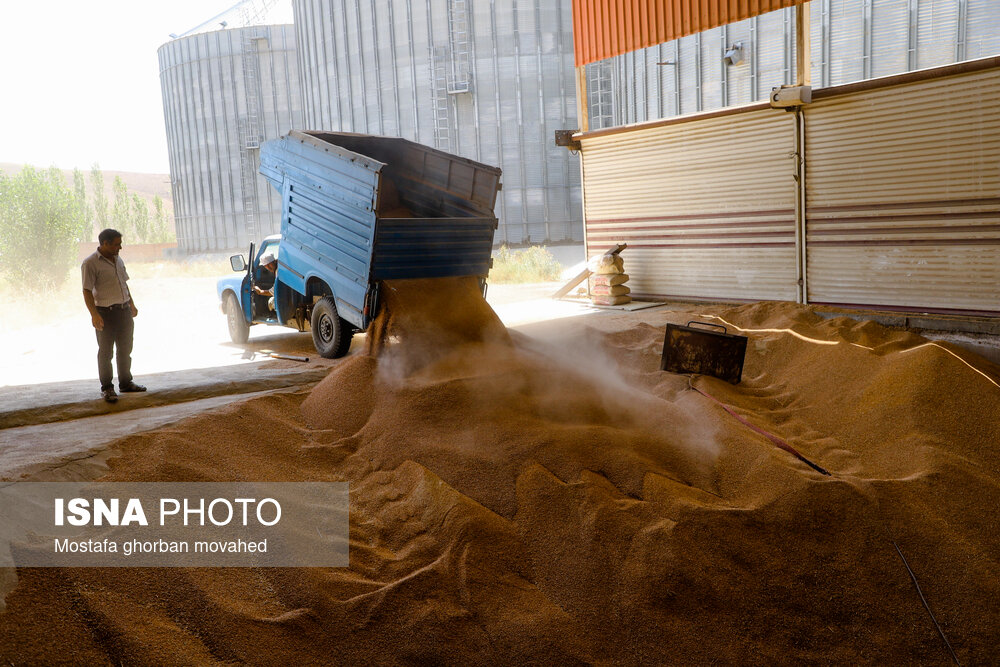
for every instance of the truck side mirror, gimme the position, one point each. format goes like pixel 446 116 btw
pixel 238 263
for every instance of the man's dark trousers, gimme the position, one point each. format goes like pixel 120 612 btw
pixel 116 336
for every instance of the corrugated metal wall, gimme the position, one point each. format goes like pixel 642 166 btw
pixel 687 75
pixel 850 41
pixel 490 80
pixel 707 207
pixel 607 28
pixel 903 195
pixel 209 120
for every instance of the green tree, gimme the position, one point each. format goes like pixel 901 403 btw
pixel 80 192
pixel 100 199
pixel 121 209
pixel 140 219
pixel 160 232
pixel 41 224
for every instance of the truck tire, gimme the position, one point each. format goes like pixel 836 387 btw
pixel 331 334
pixel 239 330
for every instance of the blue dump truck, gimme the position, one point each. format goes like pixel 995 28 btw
pixel 356 210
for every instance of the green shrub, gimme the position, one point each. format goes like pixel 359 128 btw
pixel 531 265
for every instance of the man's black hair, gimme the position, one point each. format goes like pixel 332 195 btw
pixel 108 235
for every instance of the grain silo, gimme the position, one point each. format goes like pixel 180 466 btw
pixel 224 92
pixel 490 80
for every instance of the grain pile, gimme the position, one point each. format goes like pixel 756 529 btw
pixel 517 502
pixel 431 317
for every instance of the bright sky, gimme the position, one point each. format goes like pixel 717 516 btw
pixel 80 80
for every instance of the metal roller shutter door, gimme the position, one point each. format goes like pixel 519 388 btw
pixel 903 196
pixel 707 205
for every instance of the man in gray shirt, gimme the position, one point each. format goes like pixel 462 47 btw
pixel 106 293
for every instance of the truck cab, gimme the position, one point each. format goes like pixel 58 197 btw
pixel 243 307
pixel 237 299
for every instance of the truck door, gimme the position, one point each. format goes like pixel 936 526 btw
pixel 245 294
pixel 261 277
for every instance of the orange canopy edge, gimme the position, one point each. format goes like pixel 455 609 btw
pixel 606 28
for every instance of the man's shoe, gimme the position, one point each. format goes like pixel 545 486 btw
pixel 109 395
pixel 131 387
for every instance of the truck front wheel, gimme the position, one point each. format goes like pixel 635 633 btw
pixel 331 334
pixel 239 330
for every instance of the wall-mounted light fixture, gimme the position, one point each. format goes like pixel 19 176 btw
pixel 734 54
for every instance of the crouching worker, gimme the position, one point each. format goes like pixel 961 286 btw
pixel 106 293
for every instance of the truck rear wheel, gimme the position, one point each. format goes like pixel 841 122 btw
pixel 239 330
pixel 331 334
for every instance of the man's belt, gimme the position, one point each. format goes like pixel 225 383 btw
pixel 116 306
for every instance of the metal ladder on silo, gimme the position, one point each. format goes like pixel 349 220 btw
pixel 439 100
pixel 249 129
pixel 600 89
pixel 458 41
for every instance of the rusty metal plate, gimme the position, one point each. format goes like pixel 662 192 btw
pixel 687 349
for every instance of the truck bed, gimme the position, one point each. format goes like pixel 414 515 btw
pixel 357 209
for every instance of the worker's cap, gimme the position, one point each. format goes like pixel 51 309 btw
pixel 266 259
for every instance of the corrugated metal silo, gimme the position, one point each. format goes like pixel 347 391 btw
pixel 487 79
pixel 224 92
